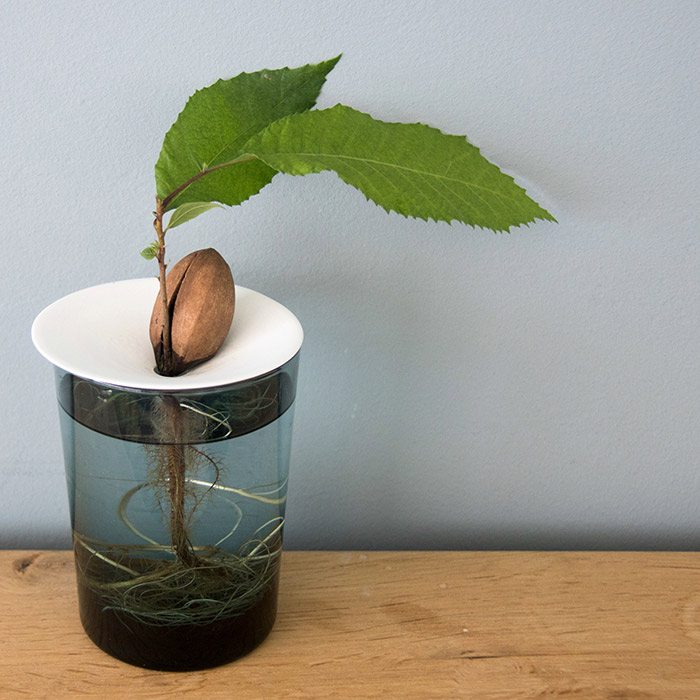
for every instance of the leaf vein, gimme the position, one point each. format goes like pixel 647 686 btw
pixel 388 164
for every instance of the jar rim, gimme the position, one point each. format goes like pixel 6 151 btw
pixel 101 333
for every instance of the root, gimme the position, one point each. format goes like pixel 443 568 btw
pixel 179 582
pixel 220 586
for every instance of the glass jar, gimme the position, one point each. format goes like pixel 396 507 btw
pixel 177 503
pixel 177 485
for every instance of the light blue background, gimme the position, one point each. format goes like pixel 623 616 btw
pixel 459 389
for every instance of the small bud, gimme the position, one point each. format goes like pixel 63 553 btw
pixel 201 300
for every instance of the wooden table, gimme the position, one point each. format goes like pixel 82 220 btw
pixel 404 625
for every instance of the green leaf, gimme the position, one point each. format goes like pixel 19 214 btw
pixel 150 252
pixel 188 211
pixel 411 169
pixel 218 120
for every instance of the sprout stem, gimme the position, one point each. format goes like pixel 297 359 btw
pixel 246 158
pixel 164 360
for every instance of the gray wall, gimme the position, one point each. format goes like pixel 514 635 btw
pixel 459 389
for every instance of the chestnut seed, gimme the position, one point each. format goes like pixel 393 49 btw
pixel 201 301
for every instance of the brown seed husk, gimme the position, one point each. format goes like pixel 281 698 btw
pixel 201 302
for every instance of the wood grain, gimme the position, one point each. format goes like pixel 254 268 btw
pixel 397 625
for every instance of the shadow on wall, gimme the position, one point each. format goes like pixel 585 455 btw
pixel 523 539
pixel 528 539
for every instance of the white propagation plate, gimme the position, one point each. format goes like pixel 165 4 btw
pixel 101 333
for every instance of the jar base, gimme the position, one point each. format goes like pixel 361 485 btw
pixel 182 647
